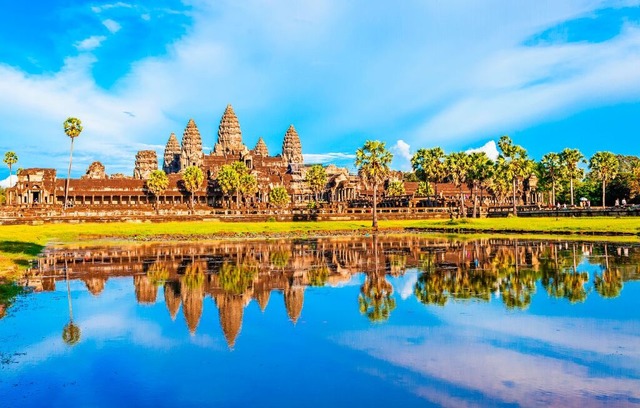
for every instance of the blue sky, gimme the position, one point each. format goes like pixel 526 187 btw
pixel 456 74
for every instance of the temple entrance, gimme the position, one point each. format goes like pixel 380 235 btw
pixel 35 197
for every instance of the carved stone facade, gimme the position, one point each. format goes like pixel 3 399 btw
pixel 146 162
pixel 95 171
pixel 191 154
pixel 291 147
pixel 172 155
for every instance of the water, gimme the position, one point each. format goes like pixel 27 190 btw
pixel 395 321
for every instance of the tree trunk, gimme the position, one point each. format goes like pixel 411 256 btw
pixel 375 212
pixel 553 192
pixel 515 211
pixel 571 185
pixel 603 197
pixel 66 185
pixel 463 212
pixel 475 200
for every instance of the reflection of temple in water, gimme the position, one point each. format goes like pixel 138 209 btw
pixel 233 274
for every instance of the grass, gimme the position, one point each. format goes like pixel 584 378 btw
pixel 21 243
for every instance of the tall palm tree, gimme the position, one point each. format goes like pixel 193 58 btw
pixel 569 158
pixel 515 163
pixel 551 166
pixel 428 165
pixel 192 179
pixel 604 166
pixel 73 128
pixel 157 183
pixel 373 161
pixel 10 158
pixel 480 170
pixel 457 165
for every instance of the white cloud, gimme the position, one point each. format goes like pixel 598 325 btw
pixel 91 43
pixel 9 182
pixel 112 25
pixel 489 148
pixel 324 67
pixel 401 155
pixel 322 158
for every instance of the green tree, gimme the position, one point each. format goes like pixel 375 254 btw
pixel 428 165
pixel 279 197
pixel 424 189
pixel 193 178
pixel 316 177
pixel 248 186
pixel 479 172
pixel 10 158
pixel 514 162
pixel 569 160
pixel 157 184
pixel 395 188
pixel 373 161
pixel 551 165
pixel 72 128
pixel 229 181
pixel 457 165
pixel 604 167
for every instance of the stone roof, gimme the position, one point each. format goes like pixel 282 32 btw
pixel 95 171
pixel 146 162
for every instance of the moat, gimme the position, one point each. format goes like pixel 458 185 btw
pixel 409 320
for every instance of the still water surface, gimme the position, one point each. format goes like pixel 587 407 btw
pixel 385 321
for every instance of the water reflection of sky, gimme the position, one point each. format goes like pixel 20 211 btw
pixel 466 353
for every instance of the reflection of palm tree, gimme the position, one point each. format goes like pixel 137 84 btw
pixel 609 283
pixel 375 299
pixel 71 332
pixel 236 279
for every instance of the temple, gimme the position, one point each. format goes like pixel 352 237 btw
pixel 40 188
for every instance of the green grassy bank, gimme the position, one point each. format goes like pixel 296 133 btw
pixel 20 243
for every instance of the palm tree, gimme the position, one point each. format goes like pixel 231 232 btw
pixel 157 183
pixel 373 161
pixel 228 179
pixel 248 186
pixel 457 165
pixel 515 163
pixel 193 179
pixel 569 158
pixel 480 170
pixel 428 165
pixel 551 166
pixel 71 332
pixel 604 166
pixel 10 158
pixel 73 128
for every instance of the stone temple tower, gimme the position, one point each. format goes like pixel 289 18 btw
pixel 261 148
pixel 291 147
pixel 229 135
pixel 191 153
pixel 146 162
pixel 172 155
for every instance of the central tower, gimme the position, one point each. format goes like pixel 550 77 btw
pixel 229 135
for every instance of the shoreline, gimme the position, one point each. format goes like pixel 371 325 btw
pixel 20 244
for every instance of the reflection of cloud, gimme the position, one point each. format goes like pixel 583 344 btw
pixel 554 361
pixel 404 284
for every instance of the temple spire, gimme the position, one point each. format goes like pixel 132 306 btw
pixel 191 153
pixel 261 148
pixel 291 147
pixel 229 135
pixel 172 155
